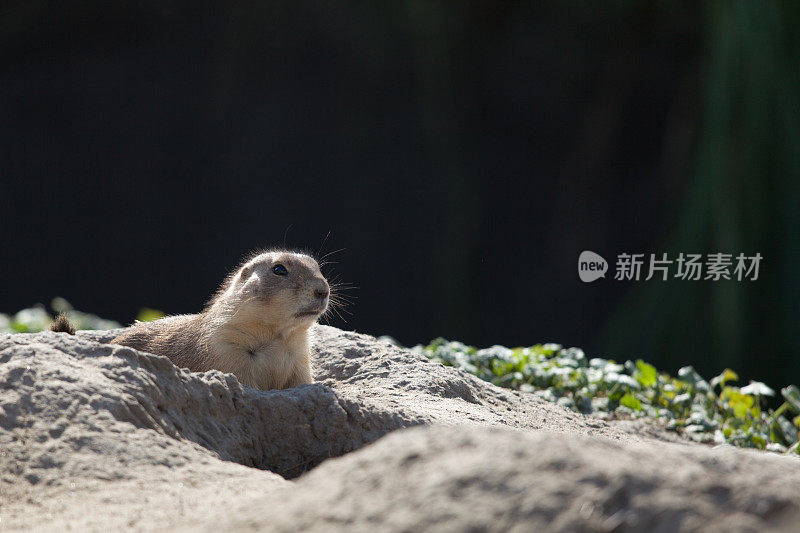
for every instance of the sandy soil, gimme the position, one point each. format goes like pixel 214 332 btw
pixel 99 437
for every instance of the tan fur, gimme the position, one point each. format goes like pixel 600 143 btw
pixel 62 325
pixel 250 328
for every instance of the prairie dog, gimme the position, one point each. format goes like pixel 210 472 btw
pixel 256 326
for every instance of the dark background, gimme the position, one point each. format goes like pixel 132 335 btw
pixel 462 155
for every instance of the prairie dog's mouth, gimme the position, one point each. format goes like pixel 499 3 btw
pixel 314 310
pixel 307 313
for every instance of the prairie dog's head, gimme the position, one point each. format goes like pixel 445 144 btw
pixel 281 289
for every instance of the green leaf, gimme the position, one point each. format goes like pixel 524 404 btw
pixel 690 376
pixel 622 379
pixel 788 429
pixel 147 315
pixel 630 401
pixel 739 403
pixel 682 398
pixel 792 396
pixel 646 374
pixel 31 320
pixel 758 389
pixel 19 327
pixel 759 440
pixel 727 375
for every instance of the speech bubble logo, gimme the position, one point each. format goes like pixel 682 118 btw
pixel 591 266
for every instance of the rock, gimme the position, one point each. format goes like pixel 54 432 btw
pixel 97 436
pixel 493 479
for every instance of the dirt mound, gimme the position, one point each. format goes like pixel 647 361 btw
pixel 97 436
pixel 481 479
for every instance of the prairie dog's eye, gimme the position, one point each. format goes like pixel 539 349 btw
pixel 279 270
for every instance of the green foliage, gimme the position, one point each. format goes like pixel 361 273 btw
pixel 792 396
pixel 727 375
pixel 714 411
pixel 148 315
pixel 38 318
pixel 631 402
pixel 646 374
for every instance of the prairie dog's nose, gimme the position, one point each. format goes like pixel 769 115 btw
pixel 321 289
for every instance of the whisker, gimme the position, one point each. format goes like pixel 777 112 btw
pixel 339 306
pixel 342 284
pixel 339 315
pixel 331 253
pixel 343 310
pixel 285 234
pixel 337 283
pixel 240 306
pixel 340 298
pixel 321 246
pixel 345 298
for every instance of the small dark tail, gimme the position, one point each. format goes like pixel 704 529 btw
pixel 62 325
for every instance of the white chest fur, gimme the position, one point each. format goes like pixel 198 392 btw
pixel 261 362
